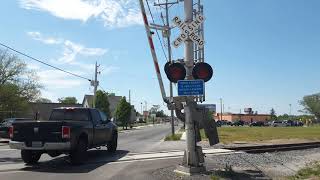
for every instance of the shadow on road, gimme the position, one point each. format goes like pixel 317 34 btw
pixel 10 160
pixel 96 159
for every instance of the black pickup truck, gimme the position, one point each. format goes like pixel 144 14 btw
pixel 70 131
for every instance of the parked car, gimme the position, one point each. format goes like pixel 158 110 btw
pixel 70 131
pixel 237 123
pixel 6 123
pixel 278 124
pixel 258 123
pixel 293 123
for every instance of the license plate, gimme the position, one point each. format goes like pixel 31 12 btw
pixel 36 144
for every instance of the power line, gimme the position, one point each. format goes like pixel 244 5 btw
pixel 19 52
pixel 162 47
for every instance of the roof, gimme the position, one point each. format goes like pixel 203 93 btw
pixel 88 98
pixel 237 114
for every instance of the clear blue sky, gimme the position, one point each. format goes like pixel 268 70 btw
pixel 265 53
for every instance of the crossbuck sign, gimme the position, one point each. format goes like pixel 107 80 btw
pixel 188 31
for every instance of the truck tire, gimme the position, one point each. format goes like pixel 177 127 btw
pixel 112 145
pixel 79 154
pixel 30 157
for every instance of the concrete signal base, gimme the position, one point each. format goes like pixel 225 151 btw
pixel 189 171
pixel 186 169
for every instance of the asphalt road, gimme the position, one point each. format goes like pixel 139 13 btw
pixel 101 164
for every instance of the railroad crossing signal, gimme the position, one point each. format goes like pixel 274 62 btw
pixel 176 71
pixel 188 31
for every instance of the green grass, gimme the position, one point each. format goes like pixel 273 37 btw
pixel 254 134
pixel 175 137
pixel 312 172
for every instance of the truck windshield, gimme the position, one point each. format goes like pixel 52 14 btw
pixel 70 114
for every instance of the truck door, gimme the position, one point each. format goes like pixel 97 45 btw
pixel 108 126
pixel 99 128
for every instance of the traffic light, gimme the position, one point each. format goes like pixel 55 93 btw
pixel 175 71
pixel 202 71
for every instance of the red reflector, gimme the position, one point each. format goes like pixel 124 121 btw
pixel 65 132
pixel 11 132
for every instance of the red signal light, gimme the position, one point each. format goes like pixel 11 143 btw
pixel 202 71
pixel 175 72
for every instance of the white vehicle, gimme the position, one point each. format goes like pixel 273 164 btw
pixel 278 124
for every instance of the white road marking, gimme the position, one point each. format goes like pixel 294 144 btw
pixel 9 150
pixel 131 158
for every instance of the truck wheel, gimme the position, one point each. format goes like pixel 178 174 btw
pixel 112 145
pixel 79 154
pixel 30 157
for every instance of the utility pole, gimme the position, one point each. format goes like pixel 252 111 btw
pixel 95 84
pixel 167 33
pixel 290 111
pixel 221 109
pixel 170 60
pixel 129 96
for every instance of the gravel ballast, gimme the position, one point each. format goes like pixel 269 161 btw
pixel 250 166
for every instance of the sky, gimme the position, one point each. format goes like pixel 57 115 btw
pixel 264 53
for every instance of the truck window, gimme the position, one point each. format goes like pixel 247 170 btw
pixel 96 116
pixel 103 117
pixel 70 114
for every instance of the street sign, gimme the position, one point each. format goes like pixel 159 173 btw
pixel 190 88
pixel 188 30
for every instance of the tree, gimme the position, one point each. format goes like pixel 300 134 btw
pixel 102 103
pixel 43 100
pixel 273 114
pixel 68 100
pixel 283 117
pixel 160 114
pixel 18 85
pixel 311 104
pixel 155 109
pixel 11 103
pixel 123 112
pixel 14 71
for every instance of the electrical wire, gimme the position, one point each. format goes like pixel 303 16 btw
pixel 19 52
pixel 162 46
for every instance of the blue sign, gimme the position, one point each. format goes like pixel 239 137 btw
pixel 190 88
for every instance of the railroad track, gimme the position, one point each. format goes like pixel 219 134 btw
pixel 275 148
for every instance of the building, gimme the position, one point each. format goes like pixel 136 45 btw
pixel 42 111
pixel 113 103
pixel 248 118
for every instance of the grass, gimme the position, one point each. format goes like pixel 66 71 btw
pixel 254 134
pixel 311 172
pixel 175 137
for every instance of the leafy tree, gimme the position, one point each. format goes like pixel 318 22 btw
pixel 102 103
pixel 311 104
pixel 68 100
pixel 283 117
pixel 18 85
pixel 43 100
pixel 155 110
pixel 11 103
pixel 123 112
pixel 14 71
pixel 273 114
pixel 160 114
